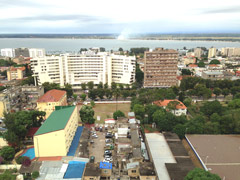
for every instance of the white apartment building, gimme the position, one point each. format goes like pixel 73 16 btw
pixel 212 52
pixel 34 52
pixel 83 68
pixel 230 51
pixel 8 52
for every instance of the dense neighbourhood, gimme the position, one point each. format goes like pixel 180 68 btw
pixel 171 114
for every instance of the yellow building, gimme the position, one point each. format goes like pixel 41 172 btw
pixel 15 73
pixel 4 104
pixel 55 136
pixel 50 99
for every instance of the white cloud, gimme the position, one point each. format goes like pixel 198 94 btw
pixel 158 15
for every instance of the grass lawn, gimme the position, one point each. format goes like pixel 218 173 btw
pixel 106 110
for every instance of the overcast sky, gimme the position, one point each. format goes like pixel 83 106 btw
pixel 122 16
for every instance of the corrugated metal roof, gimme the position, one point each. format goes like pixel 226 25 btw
pixel 57 120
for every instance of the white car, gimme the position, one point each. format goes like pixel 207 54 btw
pixel 108 159
pixel 94 135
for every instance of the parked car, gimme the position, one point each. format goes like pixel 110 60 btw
pixel 108 141
pixel 109 159
pixel 94 135
pixel 107 152
pixel 92 159
pixel 108 136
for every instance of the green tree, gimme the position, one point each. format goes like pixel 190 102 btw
pixel 75 97
pixel 217 91
pixel 215 61
pixel 87 114
pixel 113 86
pixel 186 72
pixel 35 174
pixel 180 129
pixel 92 94
pixel 100 93
pixel 139 111
pixel 187 102
pixel 172 105
pixel 100 85
pixel 7 175
pixel 125 94
pixel 28 81
pixel 139 76
pixel 7 152
pixel 106 86
pixel 211 107
pixel 200 174
pixel 117 114
pixel 120 49
pixel 234 104
pixel 108 93
pixel 92 103
pixel 83 86
pixel 90 85
pixel 225 92
pixel 68 88
pixel 201 64
pixel 83 96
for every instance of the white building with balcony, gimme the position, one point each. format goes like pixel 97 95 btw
pixel 83 68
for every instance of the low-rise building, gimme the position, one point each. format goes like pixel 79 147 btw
pixel 50 99
pixel 133 169
pixel 15 73
pixel 92 172
pixel 146 171
pixel 178 108
pixel 106 169
pixel 213 75
pixel 55 136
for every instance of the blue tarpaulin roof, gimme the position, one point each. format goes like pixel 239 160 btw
pixel 75 169
pixel 105 165
pixel 75 141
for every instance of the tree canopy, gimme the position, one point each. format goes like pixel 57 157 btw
pixel 200 174
pixel 87 114
pixel 117 114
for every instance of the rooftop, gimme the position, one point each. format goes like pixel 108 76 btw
pixel 147 169
pixel 165 102
pixel 156 141
pixel 16 68
pixel 53 95
pixel 57 120
pixel 92 169
pixel 105 165
pixel 219 153
pixel 213 72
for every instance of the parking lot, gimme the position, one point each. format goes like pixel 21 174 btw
pixel 97 147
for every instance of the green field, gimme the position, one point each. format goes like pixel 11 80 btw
pixel 106 110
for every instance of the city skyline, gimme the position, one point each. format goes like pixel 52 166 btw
pixel 125 17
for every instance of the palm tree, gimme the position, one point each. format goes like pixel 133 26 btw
pixel 117 94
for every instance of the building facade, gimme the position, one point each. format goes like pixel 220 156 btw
pixel 25 52
pixel 230 51
pixel 8 52
pixel 177 108
pixel 198 52
pixel 15 73
pixel 212 52
pixel 160 68
pixel 83 68
pixel 50 99
pixel 55 136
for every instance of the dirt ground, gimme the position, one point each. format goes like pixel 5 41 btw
pixel 106 110
pixel 97 148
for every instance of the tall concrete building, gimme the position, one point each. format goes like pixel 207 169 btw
pixel 212 52
pixel 8 52
pixel 83 68
pixel 230 51
pixel 25 52
pixel 160 68
pixel 198 52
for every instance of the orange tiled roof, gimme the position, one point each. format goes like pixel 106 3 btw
pixel 165 102
pixel 213 65
pixel 179 78
pixel 16 68
pixel 192 65
pixel 53 95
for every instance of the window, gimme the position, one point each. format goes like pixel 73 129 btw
pixel 134 171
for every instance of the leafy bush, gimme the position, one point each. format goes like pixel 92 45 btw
pixel 117 114
pixel 19 159
pixel 7 153
pixel 35 174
